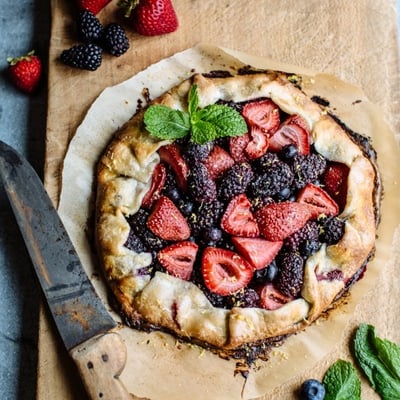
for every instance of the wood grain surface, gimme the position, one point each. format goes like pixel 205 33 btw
pixel 356 41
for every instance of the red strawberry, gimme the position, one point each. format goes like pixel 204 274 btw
pixel 95 6
pixel 167 222
pixel 263 114
pixel 259 252
pixel 237 146
pixel 291 133
pixel 318 200
pixel 238 219
pixel 224 271
pixel 171 155
pixel 258 143
pixel 277 221
pixel 271 298
pixel 218 162
pixel 297 120
pixel 178 259
pixel 151 17
pixel 158 179
pixel 335 182
pixel 25 71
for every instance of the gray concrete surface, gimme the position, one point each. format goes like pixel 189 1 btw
pixel 24 25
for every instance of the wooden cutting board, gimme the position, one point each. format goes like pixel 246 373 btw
pixel 356 41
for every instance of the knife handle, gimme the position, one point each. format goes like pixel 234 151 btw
pixel 100 361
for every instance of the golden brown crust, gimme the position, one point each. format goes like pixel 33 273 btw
pixel 123 178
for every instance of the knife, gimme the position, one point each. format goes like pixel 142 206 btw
pixel 85 326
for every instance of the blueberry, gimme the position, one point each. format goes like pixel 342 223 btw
pixel 288 152
pixel 312 389
pixel 284 194
pixel 267 274
pixel 309 247
pixel 173 193
pixel 213 234
pixel 186 208
pixel 272 271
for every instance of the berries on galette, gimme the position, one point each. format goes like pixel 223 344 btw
pixel 234 209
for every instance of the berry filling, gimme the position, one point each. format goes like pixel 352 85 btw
pixel 239 216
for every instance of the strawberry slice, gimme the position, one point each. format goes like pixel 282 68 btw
pixel 237 146
pixel 335 182
pixel 171 155
pixel 277 221
pixel 258 252
pixel 263 114
pixel 178 259
pixel 218 162
pixel 167 222
pixel 271 298
pixel 258 143
pixel 158 179
pixel 290 133
pixel 224 271
pixel 318 200
pixel 297 120
pixel 238 219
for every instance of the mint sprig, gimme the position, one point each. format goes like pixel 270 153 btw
pixel 203 124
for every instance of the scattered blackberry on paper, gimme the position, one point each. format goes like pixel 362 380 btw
pixel 90 29
pixel 83 56
pixel 114 40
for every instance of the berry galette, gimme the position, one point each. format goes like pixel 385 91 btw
pixel 234 209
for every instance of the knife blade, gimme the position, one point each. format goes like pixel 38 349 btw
pixel 84 324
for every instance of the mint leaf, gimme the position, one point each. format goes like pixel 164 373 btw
pixel 226 120
pixel 204 125
pixel 193 102
pixel 379 365
pixel 163 122
pixel 342 382
pixel 203 132
pixel 389 354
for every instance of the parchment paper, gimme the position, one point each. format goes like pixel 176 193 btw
pixel 158 366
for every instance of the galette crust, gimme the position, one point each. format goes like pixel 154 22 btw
pixel 123 178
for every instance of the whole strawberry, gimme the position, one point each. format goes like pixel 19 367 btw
pixel 94 6
pixel 25 71
pixel 151 17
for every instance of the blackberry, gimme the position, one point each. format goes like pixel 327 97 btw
pixel 198 152
pixel 137 223
pixel 90 29
pixel 331 229
pixel 308 233
pixel 245 298
pixel 258 202
pixel 311 389
pixel 289 280
pixel 235 181
pixel 307 169
pixel 265 161
pixel 205 215
pixel 114 39
pixel 273 180
pixel 134 243
pixel 171 188
pixel 83 56
pixel 200 185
